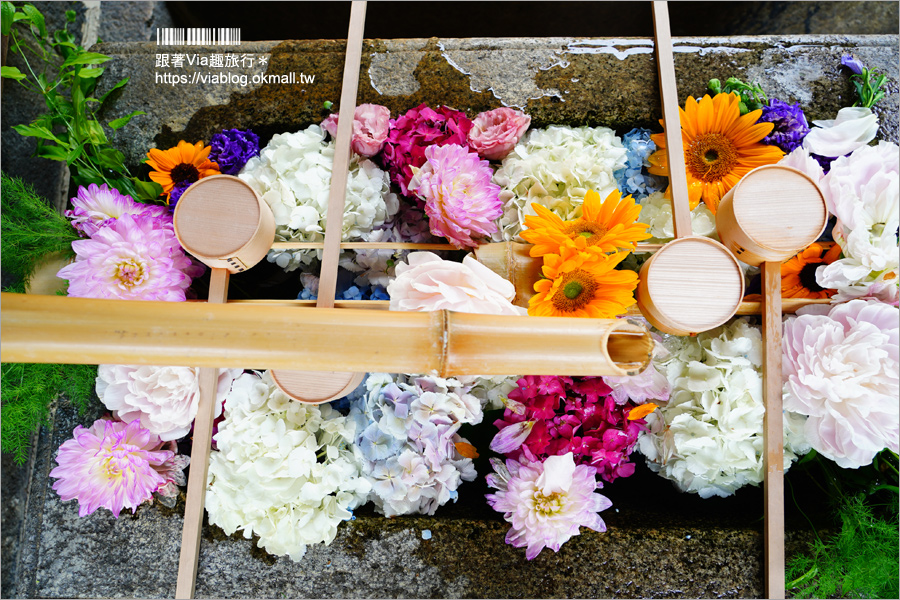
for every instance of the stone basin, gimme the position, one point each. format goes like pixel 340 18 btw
pixel 659 543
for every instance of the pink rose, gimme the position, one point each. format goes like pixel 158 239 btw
pixel 496 132
pixel 370 128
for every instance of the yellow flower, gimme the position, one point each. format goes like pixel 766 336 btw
pixel 605 226
pixel 581 284
pixel 720 147
pixel 798 275
pixel 184 162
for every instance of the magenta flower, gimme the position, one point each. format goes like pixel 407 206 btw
pixel 95 207
pixel 461 201
pixel 136 257
pixel 411 134
pixel 115 465
pixel 496 132
pixel 370 128
pixel 546 503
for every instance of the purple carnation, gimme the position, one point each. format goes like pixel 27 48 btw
pixel 790 124
pixel 853 63
pixel 179 189
pixel 232 148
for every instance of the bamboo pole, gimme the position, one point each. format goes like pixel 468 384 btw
pixel 53 329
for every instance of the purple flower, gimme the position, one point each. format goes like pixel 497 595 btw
pixel 853 63
pixel 790 124
pixel 232 148
pixel 95 207
pixel 177 191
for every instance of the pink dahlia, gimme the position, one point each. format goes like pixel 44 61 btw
pixel 370 128
pixel 136 257
pixel 460 198
pixel 496 132
pixel 546 502
pixel 411 134
pixel 95 207
pixel 115 465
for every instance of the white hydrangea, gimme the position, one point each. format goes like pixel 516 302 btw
pixel 708 439
pixel 556 167
pixel 284 470
pixel 293 175
pixel 491 390
pixel 656 211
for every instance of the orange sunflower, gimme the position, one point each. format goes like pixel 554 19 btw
pixel 720 147
pixel 798 275
pixel 580 284
pixel 605 226
pixel 185 163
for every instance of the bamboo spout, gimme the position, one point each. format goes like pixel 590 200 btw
pixel 55 329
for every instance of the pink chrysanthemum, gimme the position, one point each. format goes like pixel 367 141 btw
pixel 136 257
pixel 94 207
pixel 460 199
pixel 115 465
pixel 546 503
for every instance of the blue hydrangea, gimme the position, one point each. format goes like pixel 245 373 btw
pixel 635 179
pixel 347 290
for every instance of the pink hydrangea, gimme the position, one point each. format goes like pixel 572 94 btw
pixel 95 207
pixel 842 369
pixel 546 502
pixel 496 132
pixel 412 133
pixel 551 415
pixel 116 465
pixel 461 201
pixel 136 257
pixel 370 128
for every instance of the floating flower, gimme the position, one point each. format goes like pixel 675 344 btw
pixel 95 207
pixel 115 465
pixel 496 132
pixel 634 178
pixel 841 369
pixel 429 283
pixel 583 285
pixel 798 275
pixel 720 147
pixel 417 130
pixel 137 257
pixel 370 128
pixel 656 212
pixel 232 148
pixel 546 503
pixel 163 399
pixel 183 163
pixel 853 128
pixel 605 226
pixel 790 124
pixel 647 385
pixel 460 199
pixel 555 167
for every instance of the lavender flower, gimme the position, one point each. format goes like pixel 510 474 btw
pixel 634 179
pixel 790 124
pixel 232 148
pixel 176 193
pixel 853 63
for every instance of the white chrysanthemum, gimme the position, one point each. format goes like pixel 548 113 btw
pixel 656 211
pixel 285 471
pixel 293 175
pixel 556 167
pixel 164 399
pixel 708 439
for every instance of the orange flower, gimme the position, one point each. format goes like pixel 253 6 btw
pixel 581 284
pixel 184 162
pixel 605 226
pixel 798 275
pixel 720 147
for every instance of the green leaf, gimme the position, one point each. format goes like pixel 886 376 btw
pixel 75 153
pixel 148 191
pixel 111 159
pixel 7 10
pixel 35 131
pixel 91 72
pixel 123 121
pixel 52 152
pixel 12 73
pixel 95 133
pixel 70 16
pixel 113 88
pixel 37 18
pixel 88 58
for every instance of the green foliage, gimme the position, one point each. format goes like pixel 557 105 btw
pixel 868 87
pixel 27 391
pixel 751 94
pixel 31 230
pixel 858 562
pixel 65 75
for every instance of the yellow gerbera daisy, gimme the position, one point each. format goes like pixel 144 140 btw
pixel 605 226
pixel 580 284
pixel 720 147
pixel 183 163
pixel 798 275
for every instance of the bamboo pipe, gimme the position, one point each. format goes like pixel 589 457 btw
pixel 54 329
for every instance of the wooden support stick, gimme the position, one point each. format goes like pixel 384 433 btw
pixel 202 441
pixel 774 431
pixel 665 63
pixel 340 170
